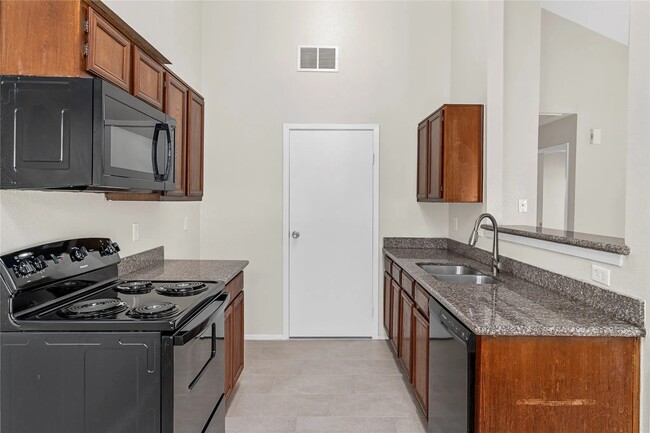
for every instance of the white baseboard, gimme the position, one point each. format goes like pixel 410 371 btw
pixel 264 337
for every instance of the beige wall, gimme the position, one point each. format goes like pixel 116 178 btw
pixel 394 70
pixel 585 73
pixel 27 218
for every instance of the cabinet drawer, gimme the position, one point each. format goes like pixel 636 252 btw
pixel 408 284
pixel 396 273
pixel 109 52
pixel 388 264
pixel 148 78
pixel 421 298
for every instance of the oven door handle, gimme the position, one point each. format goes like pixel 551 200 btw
pixel 200 322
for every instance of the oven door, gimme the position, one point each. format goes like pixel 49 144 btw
pixel 138 144
pixel 199 371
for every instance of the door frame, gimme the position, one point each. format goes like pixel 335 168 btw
pixel 287 128
pixel 557 148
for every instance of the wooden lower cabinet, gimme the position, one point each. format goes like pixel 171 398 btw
pixel 238 339
pixel 387 305
pixel 234 333
pixel 557 384
pixel 420 375
pixel 394 314
pixel 526 384
pixel 406 343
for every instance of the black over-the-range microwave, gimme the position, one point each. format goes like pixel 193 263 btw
pixel 82 134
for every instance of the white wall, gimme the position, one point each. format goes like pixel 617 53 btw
pixel 28 218
pixel 585 73
pixel 607 17
pixel 468 84
pixel 394 71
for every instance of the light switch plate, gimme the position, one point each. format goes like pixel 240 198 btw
pixel 523 205
pixel 186 224
pixel 136 232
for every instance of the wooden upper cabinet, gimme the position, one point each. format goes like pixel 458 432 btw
pixel 109 51
pixel 195 145
pixel 453 171
pixel 176 100
pixel 423 159
pixel 148 78
pixel 435 184
pixel 42 38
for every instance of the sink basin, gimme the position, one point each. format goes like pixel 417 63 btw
pixel 467 279
pixel 449 270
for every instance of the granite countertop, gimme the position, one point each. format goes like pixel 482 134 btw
pixel 584 240
pixel 513 307
pixel 211 270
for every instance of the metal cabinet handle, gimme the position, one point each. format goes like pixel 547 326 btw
pixel 295 234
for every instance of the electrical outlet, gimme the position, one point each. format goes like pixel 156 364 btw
pixel 136 232
pixel 523 205
pixel 455 223
pixel 186 224
pixel 600 275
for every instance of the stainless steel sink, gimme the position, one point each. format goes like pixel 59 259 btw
pixel 448 270
pixel 467 279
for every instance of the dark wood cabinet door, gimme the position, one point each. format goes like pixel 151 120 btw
pixel 435 188
pixel 195 145
pixel 238 338
pixel 148 78
pixel 176 107
pixel 109 52
pixel 228 348
pixel 423 160
pixel 420 372
pixel 394 316
pixel 387 306
pixel 406 332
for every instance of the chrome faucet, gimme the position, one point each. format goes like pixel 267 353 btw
pixel 496 264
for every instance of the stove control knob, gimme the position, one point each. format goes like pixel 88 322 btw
pixel 107 250
pixel 25 268
pixel 115 246
pixel 39 263
pixel 78 254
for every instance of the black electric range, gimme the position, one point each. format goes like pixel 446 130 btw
pixel 83 351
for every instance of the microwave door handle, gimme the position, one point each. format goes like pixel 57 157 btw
pixel 168 165
pixel 154 151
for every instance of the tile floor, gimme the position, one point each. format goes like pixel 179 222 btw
pixel 322 386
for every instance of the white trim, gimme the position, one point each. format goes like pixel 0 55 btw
pixel 286 129
pixel 264 337
pixel 570 250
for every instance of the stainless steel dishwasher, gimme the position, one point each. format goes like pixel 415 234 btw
pixel 452 350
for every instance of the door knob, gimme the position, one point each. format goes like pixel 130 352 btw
pixel 295 234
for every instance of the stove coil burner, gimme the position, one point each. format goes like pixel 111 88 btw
pixel 155 310
pixel 182 289
pixel 94 308
pixel 135 287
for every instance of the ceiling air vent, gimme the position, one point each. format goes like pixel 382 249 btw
pixel 321 59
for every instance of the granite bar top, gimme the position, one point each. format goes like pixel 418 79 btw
pixel 585 240
pixel 513 307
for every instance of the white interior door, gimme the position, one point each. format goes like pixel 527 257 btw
pixel 331 229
